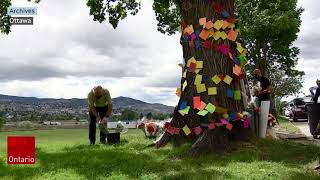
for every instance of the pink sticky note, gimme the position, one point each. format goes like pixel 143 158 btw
pixel 170 130
pixel 196 102
pixel 176 131
pixel 224 49
pixel 211 126
pixel 223 121
pixel 197 130
pixel 193 37
pixel 218 124
pixel 246 123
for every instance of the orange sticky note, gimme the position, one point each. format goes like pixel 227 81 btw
pixel 229 126
pixel 218 24
pixel 232 36
pixel 209 25
pixel 202 21
pixel 225 24
pixel 178 92
pixel 202 105
pixel 188 30
pixel 204 34
pixel 196 102
pixel 212 91
pixel 216 79
pixel 237 70
pixel 227 79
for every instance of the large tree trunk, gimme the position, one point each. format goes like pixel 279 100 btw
pixel 214 63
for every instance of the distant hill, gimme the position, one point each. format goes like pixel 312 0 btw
pixel 119 103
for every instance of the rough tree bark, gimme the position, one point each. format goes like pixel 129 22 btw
pixel 214 63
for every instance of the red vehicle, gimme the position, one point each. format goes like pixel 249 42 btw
pixel 297 108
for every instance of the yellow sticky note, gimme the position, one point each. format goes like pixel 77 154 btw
pixel 178 92
pixel 216 79
pixel 199 64
pixel 212 91
pixel 218 24
pixel 217 35
pixel 210 33
pixel 231 25
pixel 184 74
pixel 244 52
pixel 227 79
pixel 181 65
pixel 198 79
pixel 186 130
pixel 184 85
pixel 239 47
pixel 191 60
pixel 223 35
pixel 197 71
pixel 201 88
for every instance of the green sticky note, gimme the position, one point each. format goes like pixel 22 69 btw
pixel 202 113
pixel 184 111
pixel 237 95
pixel 210 108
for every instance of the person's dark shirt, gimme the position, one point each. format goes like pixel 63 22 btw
pixel 316 96
pixel 264 82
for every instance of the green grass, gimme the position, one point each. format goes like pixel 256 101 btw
pixel 64 154
pixel 286 124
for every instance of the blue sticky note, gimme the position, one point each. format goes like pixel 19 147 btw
pixel 236 60
pixel 197 32
pixel 230 93
pixel 232 116
pixel 183 105
pixel 197 43
pixel 225 14
pixel 204 79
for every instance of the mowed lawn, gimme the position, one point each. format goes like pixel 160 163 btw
pixel 65 154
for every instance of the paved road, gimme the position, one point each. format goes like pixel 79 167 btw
pixel 304 128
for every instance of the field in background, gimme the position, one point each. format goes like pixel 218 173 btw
pixel 64 154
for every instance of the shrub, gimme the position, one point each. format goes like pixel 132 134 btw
pixel 25 125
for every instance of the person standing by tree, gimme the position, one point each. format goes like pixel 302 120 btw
pixel 100 106
pixel 317 92
pixel 266 87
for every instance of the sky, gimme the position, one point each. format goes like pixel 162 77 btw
pixel 65 53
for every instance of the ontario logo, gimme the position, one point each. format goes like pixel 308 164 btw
pixel 21 150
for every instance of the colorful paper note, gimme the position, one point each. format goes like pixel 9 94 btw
pixel 193 37
pixel 199 64
pixel 184 85
pixel 196 102
pixel 231 25
pixel 191 60
pixel 201 88
pixel 210 108
pixel 184 75
pixel 218 24
pixel 209 25
pixel 192 67
pixel 225 13
pixel 202 21
pixel 191 44
pixel 225 116
pixel 232 36
pixel 237 95
pixel 229 126
pixel 246 123
pixel 198 43
pixel 211 126
pixel 230 93
pixel 224 122
pixel 237 70
pixel 202 113
pixel 202 105
pixel 184 111
pixel 197 71
pixel 224 49
pixel 198 79
pixel 217 7
pixel 211 32
pixel 239 47
pixel 212 91
pixel 217 35
pixel 204 34
pixel 183 105
pixel 216 79
pixel 223 35
pixel 197 130
pixel 225 24
pixel 227 79
pixel 186 130
pixel 188 30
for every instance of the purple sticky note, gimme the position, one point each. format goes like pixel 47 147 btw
pixel 223 121
pixel 193 37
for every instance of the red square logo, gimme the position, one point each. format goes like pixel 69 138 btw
pixel 21 150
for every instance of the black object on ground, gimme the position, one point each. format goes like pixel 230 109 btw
pixel 113 138
pixel 314 118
